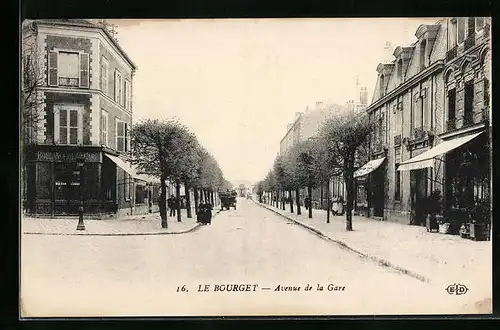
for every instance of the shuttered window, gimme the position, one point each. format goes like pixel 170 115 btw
pixel 118 88
pixel 121 136
pixel 52 68
pixel 104 128
pixel 104 75
pixel 68 125
pixel 127 95
pixel 84 70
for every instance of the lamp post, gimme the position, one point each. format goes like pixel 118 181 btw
pixel 80 163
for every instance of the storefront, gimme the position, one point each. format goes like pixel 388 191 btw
pixel 370 188
pixel 466 184
pixel 111 186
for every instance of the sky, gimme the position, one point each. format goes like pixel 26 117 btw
pixel 237 83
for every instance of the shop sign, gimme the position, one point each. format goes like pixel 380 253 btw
pixel 68 157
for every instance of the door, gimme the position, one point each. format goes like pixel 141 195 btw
pixel 66 189
pixel 418 190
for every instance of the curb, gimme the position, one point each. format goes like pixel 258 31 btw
pixel 377 260
pixel 195 227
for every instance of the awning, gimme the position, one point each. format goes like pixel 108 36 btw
pixel 426 159
pixel 130 169
pixel 369 167
pixel 127 167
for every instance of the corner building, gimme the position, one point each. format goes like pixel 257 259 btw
pixel 86 112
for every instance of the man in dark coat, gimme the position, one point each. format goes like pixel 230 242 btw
pixel 172 205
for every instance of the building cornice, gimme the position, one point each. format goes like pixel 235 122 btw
pixel 467 130
pixel 435 67
pixel 84 91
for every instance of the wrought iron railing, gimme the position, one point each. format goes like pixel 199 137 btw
pixel 451 54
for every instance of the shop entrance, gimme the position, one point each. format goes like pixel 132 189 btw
pixel 418 192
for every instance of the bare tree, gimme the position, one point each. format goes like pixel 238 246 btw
pixel 344 138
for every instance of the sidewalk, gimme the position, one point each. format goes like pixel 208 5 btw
pixel 432 257
pixel 148 224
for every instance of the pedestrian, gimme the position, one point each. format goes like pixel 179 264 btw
pixel 335 207
pixel 307 203
pixel 341 205
pixel 172 205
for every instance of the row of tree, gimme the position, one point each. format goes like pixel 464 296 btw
pixel 168 150
pixel 339 148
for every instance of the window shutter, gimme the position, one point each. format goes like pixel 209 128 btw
pixel 84 70
pixel 125 133
pixel 116 86
pixel 52 68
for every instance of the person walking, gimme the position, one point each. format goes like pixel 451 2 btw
pixel 172 205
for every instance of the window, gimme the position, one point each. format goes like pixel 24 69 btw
pixel 121 135
pixel 70 69
pixel 104 75
pixel 141 194
pixel 118 88
pixel 397 184
pixel 68 125
pixel 480 22
pixel 451 104
pixel 104 128
pixel 469 101
pixel 382 85
pixel 423 46
pixel 460 30
pixel 400 70
pixel 68 72
pixel 127 96
pixel 453 33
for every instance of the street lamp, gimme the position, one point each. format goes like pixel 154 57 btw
pixel 80 162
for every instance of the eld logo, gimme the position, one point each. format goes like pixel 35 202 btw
pixel 457 289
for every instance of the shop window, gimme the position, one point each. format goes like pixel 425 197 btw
pixel 397 184
pixel 44 180
pixel 141 194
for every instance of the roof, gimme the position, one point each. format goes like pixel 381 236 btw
pixel 87 24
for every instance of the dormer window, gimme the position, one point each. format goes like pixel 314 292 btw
pixel 382 85
pixel 423 46
pixel 400 70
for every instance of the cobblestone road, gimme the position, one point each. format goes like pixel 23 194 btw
pixel 250 247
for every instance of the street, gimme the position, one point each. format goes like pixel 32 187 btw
pixel 267 259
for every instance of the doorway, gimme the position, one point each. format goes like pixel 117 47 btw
pixel 418 192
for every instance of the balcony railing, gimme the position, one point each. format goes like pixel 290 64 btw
pixel 470 41
pixel 451 54
pixel 397 140
pixel 418 133
pixel 73 82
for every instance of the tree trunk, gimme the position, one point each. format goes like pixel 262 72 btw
pixel 321 197
pixel 309 193
pixel 178 197
pixel 291 200
pixel 297 199
pixel 188 201
pixel 349 183
pixel 162 204
pixel 196 200
pixel 328 201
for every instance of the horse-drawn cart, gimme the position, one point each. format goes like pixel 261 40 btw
pixel 228 199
